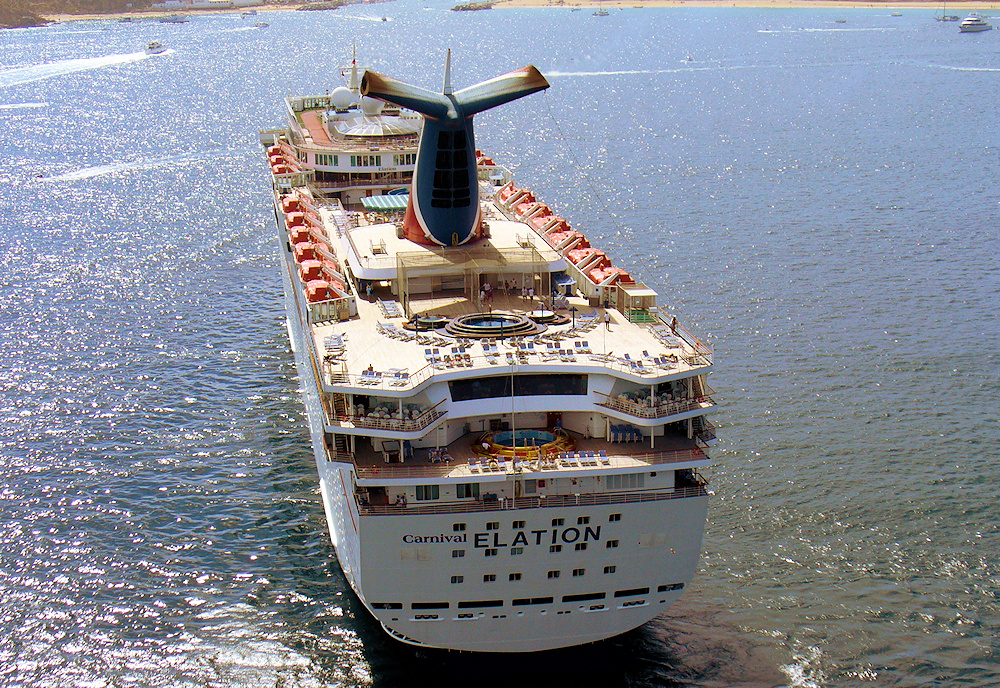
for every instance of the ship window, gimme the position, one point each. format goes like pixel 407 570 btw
pixel 673 586
pixel 429 605
pixel 585 597
pixel 530 486
pixel 610 569
pixel 467 490
pixel 531 600
pixel 517 525
pixel 553 574
pixel 492 525
pixel 391 605
pixel 489 578
pixel 524 386
pixel 612 544
pixel 514 551
pixel 583 520
pixel 458 527
pixel 555 548
pixel 558 521
pixel 631 592
pixel 457 579
pixel 491 552
pixel 579 572
pixel 457 553
pixel 514 577
pixel 615 517
pixel 581 546
pixel 626 481
pixel 472 604
pixel 427 492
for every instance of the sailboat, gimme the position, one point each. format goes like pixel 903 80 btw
pixel 945 16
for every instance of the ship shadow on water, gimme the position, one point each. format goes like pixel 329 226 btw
pixel 683 648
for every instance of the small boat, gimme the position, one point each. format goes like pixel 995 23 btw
pixel 840 21
pixel 974 24
pixel 261 25
pixel 128 20
pixel 944 16
pixel 897 14
pixel 249 13
pixel 155 48
pixel 601 13
pixel 174 19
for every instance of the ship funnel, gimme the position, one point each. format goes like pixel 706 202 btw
pixel 444 198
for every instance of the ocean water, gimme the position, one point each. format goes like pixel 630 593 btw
pixel 818 200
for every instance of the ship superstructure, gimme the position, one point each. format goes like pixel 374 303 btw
pixel 508 431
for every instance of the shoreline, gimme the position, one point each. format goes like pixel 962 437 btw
pixel 935 5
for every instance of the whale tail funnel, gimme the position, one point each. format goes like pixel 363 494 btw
pixel 444 198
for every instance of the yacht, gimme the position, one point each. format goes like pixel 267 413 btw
pixel 509 433
pixel 155 48
pixel 973 24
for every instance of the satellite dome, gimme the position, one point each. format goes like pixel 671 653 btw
pixel 341 98
pixel 371 106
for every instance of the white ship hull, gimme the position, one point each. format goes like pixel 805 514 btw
pixel 662 555
pixel 526 488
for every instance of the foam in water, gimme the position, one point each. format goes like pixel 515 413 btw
pixel 25 75
pixel 101 170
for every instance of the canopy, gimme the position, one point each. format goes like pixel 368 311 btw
pixel 393 203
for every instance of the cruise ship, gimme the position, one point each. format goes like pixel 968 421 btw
pixel 510 434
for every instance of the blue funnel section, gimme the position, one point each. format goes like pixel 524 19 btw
pixel 444 201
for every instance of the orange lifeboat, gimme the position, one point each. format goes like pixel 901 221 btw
pixel 310 270
pixel 557 239
pixel 602 275
pixel 317 290
pixel 289 204
pixel 508 191
pixel 295 219
pixel 579 255
pixel 299 235
pixel 305 250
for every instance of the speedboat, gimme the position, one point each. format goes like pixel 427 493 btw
pixel 974 23
pixel 155 48
pixel 261 25
pixel 601 13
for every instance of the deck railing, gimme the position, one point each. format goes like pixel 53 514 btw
pixel 393 424
pixel 660 411
pixel 441 470
pixel 540 501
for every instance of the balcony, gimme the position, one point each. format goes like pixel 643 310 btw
pixel 672 408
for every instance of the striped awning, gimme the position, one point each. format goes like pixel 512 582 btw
pixel 386 204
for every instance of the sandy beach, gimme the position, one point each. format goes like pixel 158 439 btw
pixel 929 6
